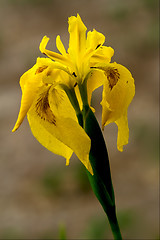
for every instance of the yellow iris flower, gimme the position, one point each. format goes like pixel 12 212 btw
pixel 51 115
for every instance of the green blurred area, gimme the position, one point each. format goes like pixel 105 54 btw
pixel 40 197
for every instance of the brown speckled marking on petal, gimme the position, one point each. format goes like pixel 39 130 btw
pixel 40 69
pixel 113 76
pixel 43 109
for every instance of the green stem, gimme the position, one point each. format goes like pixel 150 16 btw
pixel 101 180
pixel 115 229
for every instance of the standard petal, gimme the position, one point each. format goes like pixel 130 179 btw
pixel 102 55
pixel 77 40
pixel 94 39
pixel 43 44
pixel 60 45
pixel 53 55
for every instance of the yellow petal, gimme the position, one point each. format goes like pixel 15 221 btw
pixel 30 84
pixel 53 111
pixel 94 39
pixel 43 44
pixel 77 40
pixel 60 45
pixel 53 55
pixel 123 132
pixel 70 132
pixel 46 138
pixel 118 92
pixel 94 81
pixel 102 55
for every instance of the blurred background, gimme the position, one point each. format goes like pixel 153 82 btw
pixel 39 195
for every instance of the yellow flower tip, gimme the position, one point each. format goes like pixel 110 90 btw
pixel 120 148
pixel 16 126
pixel 67 161
pixel 60 45
pixel 14 129
pixel 43 44
pixel 78 17
pixel 76 21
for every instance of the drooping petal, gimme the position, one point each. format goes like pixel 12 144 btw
pixel 53 112
pixel 31 82
pixel 118 92
pixel 68 127
pixel 30 86
pixel 123 131
pixel 95 80
pixel 47 139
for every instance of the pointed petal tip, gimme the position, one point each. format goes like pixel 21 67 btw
pixel 14 129
pixel 67 161
pixel 16 126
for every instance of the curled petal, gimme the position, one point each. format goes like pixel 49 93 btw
pixel 118 92
pixel 53 55
pixel 95 80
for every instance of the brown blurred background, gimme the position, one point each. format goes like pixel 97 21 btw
pixel 38 193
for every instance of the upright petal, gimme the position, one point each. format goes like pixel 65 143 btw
pixel 94 40
pixel 60 45
pixel 95 49
pixel 53 55
pixel 77 40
